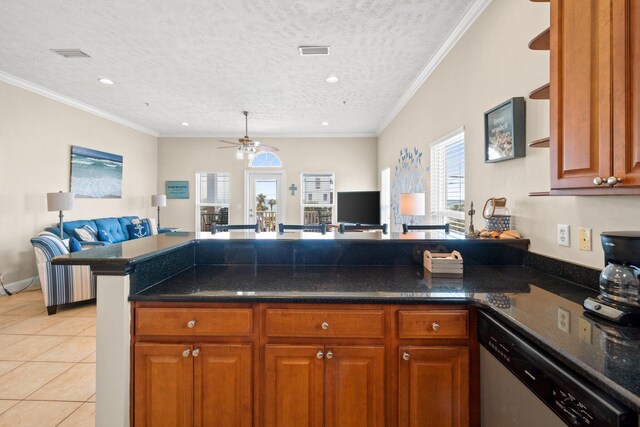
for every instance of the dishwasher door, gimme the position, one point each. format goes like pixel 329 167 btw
pixel 506 401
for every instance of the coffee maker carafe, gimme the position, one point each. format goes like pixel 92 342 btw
pixel 619 298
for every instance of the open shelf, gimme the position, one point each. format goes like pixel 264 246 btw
pixel 539 143
pixel 539 193
pixel 542 41
pixel 541 93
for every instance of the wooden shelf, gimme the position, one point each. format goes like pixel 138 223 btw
pixel 539 1
pixel 542 41
pixel 539 193
pixel 541 93
pixel 540 143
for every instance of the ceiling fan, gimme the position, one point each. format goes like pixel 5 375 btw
pixel 247 146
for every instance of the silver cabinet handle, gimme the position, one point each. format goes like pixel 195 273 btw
pixel 406 356
pixel 186 353
pixel 329 354
pixel 191 324
pixel 435 326
pixel 325 325
pixel 612 180
pixel 598 181
pixel 320 355
pixel 196 352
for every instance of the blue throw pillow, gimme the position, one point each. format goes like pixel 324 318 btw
pixel 137 231
pixel 104 236
pixel 74 245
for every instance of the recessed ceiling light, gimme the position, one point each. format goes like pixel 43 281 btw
pixel 325 123
pixel 105 81
pixel 185 124
pixel 333 79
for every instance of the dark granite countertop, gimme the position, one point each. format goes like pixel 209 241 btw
pixel 524 299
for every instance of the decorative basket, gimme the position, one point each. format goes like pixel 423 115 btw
pixel 499 223
pixel 443 264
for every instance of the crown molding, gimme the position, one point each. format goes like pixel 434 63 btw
pixel 465 23
pixel 40 90
pixel 273 135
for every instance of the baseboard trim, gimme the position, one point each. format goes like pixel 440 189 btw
pixel 20 285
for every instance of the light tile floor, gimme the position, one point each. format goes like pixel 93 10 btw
pixel 47 363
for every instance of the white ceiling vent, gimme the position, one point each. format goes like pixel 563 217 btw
pixel 71 53
pixel 313 50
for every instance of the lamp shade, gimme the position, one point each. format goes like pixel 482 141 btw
pixel 59 201
pixel 159 200
pixel 412 204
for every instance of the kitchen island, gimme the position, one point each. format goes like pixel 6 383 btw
pixel 366 272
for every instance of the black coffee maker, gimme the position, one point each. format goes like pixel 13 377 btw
pixel 619 299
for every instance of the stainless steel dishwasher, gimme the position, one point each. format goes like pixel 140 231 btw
pixel 521 386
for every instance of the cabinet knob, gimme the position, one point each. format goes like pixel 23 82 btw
pixel 196 352
pixel 329 354
pixel 406 356
pixel 191 323
pixel 612 180
pixel 598 181
pixel 186 353
pixel 325 325
pixel 435 326
pixel 320 355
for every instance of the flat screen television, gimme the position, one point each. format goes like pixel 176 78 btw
pixel 359 207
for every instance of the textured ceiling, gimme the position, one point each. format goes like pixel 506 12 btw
pixel 204 61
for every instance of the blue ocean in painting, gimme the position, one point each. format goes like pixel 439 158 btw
pixel 95 174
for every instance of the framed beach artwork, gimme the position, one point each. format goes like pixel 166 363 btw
pixel 504 131
pixel 95 174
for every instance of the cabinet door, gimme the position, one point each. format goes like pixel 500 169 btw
pixel 163 387
pixel 354 386
pixel 626 91
pixel 580 92
pixel 222 384
pixel 294 386
pixel 433 386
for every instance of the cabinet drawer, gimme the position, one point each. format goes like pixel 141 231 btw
pixel 325 323
pixel 194 321
pixel 433 324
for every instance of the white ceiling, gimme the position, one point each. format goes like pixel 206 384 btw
pixel 204 61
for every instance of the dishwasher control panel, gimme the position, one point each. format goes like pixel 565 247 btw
pixel 573 399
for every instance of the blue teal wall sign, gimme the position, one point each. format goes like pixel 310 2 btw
pixel 177 189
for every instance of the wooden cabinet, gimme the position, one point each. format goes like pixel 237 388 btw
pixel 301 365
pixel 595 118
pixel 192 385
pixel 434 386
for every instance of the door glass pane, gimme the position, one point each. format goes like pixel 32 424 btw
pixel 266 203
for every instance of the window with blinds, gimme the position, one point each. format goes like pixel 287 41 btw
pixel 447 182
pixel 317 198
pixel 214 189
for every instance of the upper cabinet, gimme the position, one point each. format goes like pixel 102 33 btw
pixel 595 97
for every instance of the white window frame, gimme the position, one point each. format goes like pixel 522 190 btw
pixel 325 205
pixel 199 204
pixel 438 196
pixel 266 167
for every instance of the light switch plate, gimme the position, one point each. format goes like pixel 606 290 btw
pixel 564 238
pixel 584 238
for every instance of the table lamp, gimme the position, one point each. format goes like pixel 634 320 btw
pixel 412 204
pixel 159 200
pixel 60 202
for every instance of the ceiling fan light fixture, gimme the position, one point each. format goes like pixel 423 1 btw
pixel 239 154
pixel 250 155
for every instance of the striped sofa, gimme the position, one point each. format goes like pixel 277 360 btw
pixel 61 284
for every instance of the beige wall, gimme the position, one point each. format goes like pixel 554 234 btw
pixel 352 160
pixel 490 64
pixel 36 135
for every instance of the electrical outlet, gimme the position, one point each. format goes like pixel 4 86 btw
pixel 584 237
pixel 564 238
pixel 564 319
pixel 584 330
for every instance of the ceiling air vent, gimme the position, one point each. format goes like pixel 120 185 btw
pixel 313 50
pixel 71 53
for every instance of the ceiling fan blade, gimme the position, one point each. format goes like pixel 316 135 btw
pixel 269 148
pixel 229 142
pixel 229 147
